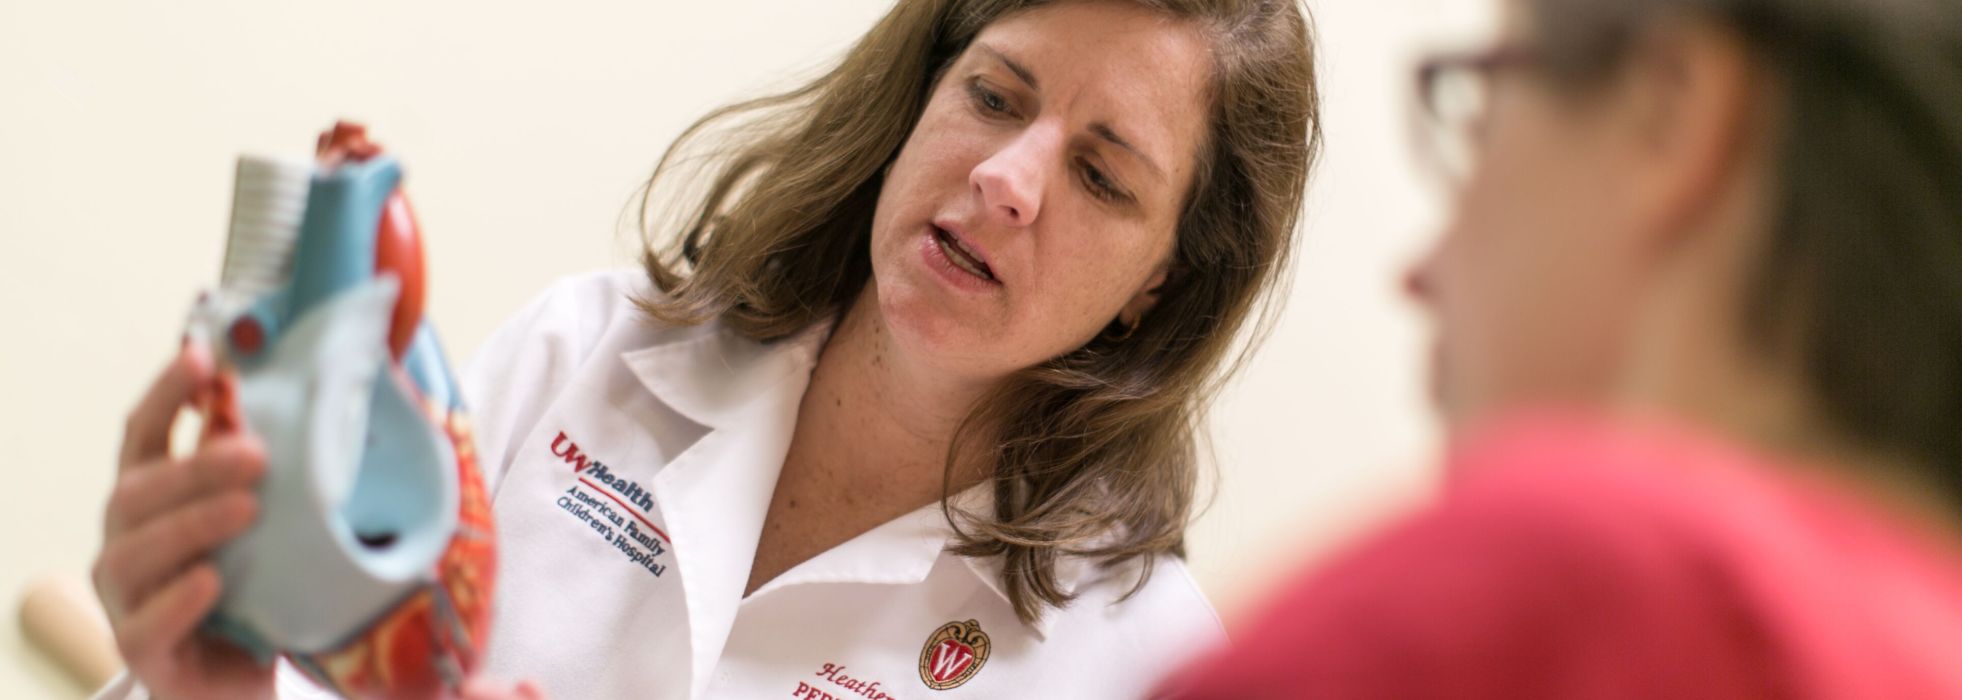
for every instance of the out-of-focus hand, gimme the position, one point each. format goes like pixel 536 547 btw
pixel 165 517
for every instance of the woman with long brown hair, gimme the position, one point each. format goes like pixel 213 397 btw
pixel 904 401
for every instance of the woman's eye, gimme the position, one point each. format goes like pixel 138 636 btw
pixel 987 100
pixel 1100 184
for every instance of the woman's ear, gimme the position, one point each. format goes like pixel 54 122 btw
pixel 1699 100
pixel 1146 297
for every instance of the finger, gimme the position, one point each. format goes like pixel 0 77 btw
pixel 229 462
pixel 165 621
pixel 222 663
pixel 146 435
pixel 530 691
pixel 152 554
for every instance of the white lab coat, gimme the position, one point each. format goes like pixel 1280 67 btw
pixel 681 432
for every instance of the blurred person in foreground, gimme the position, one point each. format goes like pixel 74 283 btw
pixel 1699 348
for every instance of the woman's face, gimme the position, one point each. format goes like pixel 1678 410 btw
pixel 1038 197
pixel 1533 286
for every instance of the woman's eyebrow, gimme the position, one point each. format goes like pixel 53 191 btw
pixel 1018 69
pixel 1101 129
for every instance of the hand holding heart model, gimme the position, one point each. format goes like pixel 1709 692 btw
pixel 372 564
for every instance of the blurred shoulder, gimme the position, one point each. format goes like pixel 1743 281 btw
pixel 1637 559
pixel 1581 478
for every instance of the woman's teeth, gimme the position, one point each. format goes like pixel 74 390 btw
pixel 962 257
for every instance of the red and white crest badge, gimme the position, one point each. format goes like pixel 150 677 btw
pixel 953 655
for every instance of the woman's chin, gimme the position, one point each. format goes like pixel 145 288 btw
pixel 932 332
pixel 920 322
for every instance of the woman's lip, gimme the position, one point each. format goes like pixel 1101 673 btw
pixel 954 231
pixel 935 258
pixel 961 256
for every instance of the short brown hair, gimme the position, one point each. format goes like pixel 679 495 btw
pixel 1094 451
pixel 1861 278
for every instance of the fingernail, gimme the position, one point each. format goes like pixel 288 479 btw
pixel 241 446
pixel 254 446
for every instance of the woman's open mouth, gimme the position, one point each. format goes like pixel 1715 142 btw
pixel 962 257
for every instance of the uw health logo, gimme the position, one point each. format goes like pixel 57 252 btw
pixel 592 469
pixel 953 655
pixel 592 473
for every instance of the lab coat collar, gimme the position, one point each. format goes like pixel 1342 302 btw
pixel 711 374
pixel 1070 571
pixel 905 551
pixel 731 384
pixel 714 495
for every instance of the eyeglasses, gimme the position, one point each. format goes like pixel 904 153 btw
pixel 1455 95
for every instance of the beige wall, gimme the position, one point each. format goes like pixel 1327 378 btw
pixel 525 126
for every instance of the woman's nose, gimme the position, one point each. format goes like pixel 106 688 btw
pixel 1009 183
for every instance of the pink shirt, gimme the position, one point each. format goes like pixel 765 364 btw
pixel 1588 559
